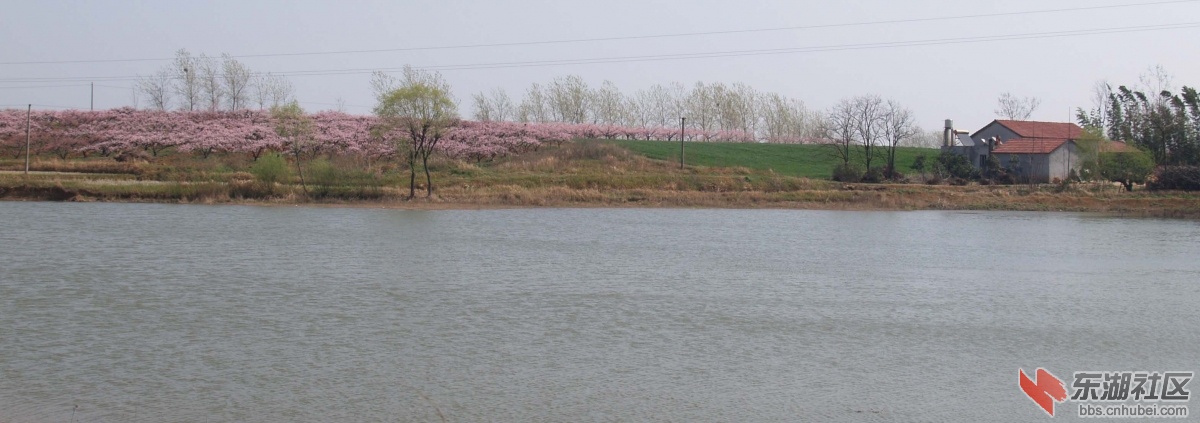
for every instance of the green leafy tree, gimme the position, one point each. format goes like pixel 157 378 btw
pixel 1127 168
pixel 296 129
pixel 417 111
pixel 1164 124
pixel 957 166
pixel 1088 147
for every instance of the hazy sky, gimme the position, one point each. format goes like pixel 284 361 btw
pixel 948 80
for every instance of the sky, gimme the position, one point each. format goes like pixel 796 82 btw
pixel 1057 57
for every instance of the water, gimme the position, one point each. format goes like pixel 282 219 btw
pixel 170 313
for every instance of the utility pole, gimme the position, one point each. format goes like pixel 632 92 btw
pixel 92 106
pixel 682 132
pixel 28 112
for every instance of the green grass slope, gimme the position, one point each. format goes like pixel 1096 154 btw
pixel 810 161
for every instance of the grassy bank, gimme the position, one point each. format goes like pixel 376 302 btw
pixel 588 174
pixel 809 161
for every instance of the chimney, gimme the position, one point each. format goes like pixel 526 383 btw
pixel 946 133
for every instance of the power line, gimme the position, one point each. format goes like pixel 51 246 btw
pixel 61 86
pixel 335 104
pixel 38 105
pixel 44 86
pixel 817 49
pixel 683 56
pixel 637 37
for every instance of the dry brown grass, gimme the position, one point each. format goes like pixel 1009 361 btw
pixel 102 166
pixel 575 175
pixel 849 197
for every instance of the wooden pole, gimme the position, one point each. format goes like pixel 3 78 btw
pixel 28 112
pixel 682 132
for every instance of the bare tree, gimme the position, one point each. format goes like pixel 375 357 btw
pixel 157 89
pixel 656 102
pixel 868 124
pixel 926 139
pixel 1156 79
pixel 187 80
pixel 899 125
pixel 203 82
pixel 702 108
pixel 1012 107
pixel 783 119
pixel 569 98
pixel 1098 115
pixel 608 105
pixel 484 112
pixel 640 107
pixel 496 106
pixel 272 91
pixel 236 77
pixel 503 105
pixel 210 82
pixel 837 126
pixel 740 107
pixel 533 107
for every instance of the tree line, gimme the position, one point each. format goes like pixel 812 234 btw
pixel 1162 123
pixel 200 82
pixel 709 108
pixel 865 128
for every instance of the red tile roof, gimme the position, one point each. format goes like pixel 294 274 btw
pixel 1030 129
pixel 1029 146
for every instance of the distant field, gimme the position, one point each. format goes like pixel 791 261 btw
pixel 810 161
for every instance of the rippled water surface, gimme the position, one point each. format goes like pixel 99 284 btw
pixel 159 313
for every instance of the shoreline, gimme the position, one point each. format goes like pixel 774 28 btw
pixel 848 197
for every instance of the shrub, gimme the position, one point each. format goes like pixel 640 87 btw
pixel 991 167
pixel 1062 185
pixel 1004 178
pixel 1127 168
pixel 956 166
pixel 271 169
pixel 918 164
pixel 847 173
pixel 1184 178
pixel 342 180
pixel 873 176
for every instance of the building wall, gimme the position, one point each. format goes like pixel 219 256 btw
pixel 977 154
pixel 994 130
pixel 1040 167
pixel 971 153
pixel 1043 168
pixel 1026 165
pixel 1062 161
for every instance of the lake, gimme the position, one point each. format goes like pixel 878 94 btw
pixel 192 313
